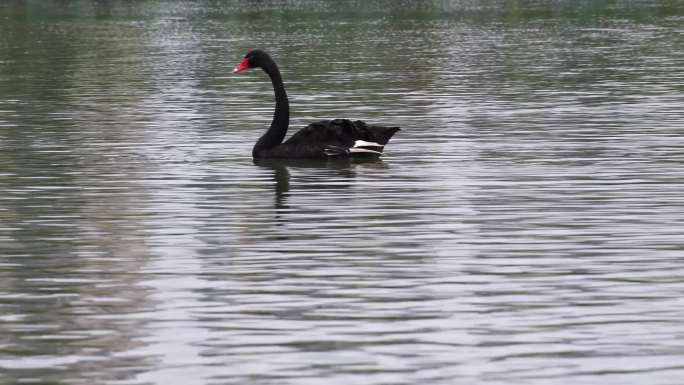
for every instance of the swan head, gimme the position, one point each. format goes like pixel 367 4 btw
pixel 254 58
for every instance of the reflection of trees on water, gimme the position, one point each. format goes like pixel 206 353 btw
pixel 76 242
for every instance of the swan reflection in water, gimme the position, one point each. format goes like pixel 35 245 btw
pixel 314 176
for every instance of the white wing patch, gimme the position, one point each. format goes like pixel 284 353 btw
pixel 361 147
pixel 363 150
pixel 363 143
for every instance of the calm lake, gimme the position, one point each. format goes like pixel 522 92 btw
pixel 526 225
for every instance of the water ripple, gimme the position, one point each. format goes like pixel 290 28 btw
pixel 524 226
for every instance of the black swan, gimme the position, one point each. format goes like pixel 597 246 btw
pixel 324 139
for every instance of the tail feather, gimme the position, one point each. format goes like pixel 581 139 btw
pixel 377 134
pixel 368 141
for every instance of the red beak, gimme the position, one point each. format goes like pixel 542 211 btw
pixel 244 64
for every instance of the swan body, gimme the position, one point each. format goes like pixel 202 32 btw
pixel 325 139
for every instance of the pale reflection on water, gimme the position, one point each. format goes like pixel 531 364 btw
pixel 525 226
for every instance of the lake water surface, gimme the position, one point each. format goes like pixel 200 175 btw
pixel 526 226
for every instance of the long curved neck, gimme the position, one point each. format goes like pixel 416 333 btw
pixel 281 117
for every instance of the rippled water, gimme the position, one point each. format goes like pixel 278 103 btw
pixel 524 227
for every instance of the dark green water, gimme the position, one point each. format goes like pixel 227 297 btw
pixel 526 226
